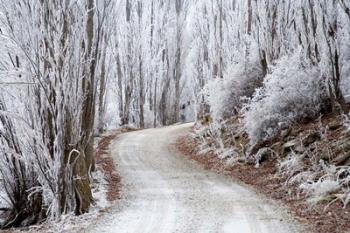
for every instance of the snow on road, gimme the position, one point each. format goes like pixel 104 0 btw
pixel 166 193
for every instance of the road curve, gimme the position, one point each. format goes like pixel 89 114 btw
pixel 166 193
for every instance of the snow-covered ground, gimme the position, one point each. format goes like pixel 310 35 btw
pixel 166 193
pixel 71 223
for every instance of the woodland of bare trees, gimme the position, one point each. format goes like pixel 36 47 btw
pixel 71 69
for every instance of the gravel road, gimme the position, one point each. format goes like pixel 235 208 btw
pixel 164 193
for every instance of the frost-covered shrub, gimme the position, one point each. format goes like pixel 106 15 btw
pixel 319 190
pixel 291 165
pixel 320 181
pixel 226 96
pixel 331 182
pixel 294 90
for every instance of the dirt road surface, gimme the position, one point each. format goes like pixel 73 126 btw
pixel 165 193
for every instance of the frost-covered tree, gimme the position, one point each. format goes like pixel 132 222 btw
pixel 256 36
pixel 72 68
pixel 50 53
pixel 148 52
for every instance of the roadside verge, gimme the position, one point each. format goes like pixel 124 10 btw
pixel 265 180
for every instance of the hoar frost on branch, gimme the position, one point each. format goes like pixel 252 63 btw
pixel 69 69
pixel 293 90
pixel 46 142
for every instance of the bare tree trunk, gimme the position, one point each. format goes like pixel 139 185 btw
pixel 129 83
pixel 330 33
pixel 120 87
pixel 177 76
pixel 163 106
pixel 163 111
pixel 220 66
pixel 142 95
pixel 250 17
pixel 88 85
pixel 155 104
pixel 102 94
pixel 177 71
pixel 83 191
pixel 141 79
pixel 127 103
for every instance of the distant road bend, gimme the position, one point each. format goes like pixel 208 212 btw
pixel 165 193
